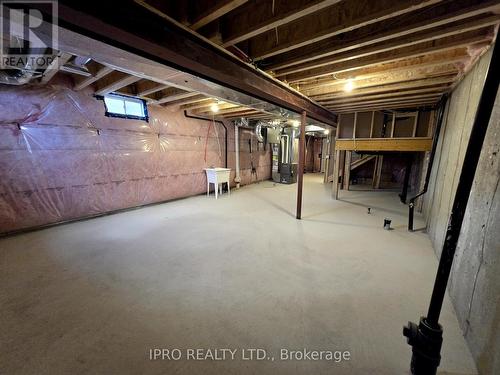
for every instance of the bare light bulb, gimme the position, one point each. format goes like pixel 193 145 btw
pixel 214 108
pixel 349 86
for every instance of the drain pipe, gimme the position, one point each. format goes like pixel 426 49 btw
pixel 439 123
pixel 217 121
pixel 237 178
pixel 426 338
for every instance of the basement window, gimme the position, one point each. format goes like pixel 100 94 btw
pixel 125 107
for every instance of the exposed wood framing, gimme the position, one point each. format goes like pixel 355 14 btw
pixel 398 54
pixel 384 144
pixel 221 7
pixel 347 169
pixel 377 171
pixel 49 73
pixel 102 72
pixel 114 82
pixel 356 60
pixel 331 21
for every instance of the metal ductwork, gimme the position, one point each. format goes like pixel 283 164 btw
pixel 15 76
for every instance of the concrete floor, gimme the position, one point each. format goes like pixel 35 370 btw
pixel 93 297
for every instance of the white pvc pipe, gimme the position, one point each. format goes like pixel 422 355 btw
pixel 237 178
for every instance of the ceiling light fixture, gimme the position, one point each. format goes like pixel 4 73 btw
pixel 349 86
pixel 214 108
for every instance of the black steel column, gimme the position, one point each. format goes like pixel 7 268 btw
pixel 426 338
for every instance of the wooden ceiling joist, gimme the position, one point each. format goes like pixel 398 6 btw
pixel 221 8
pixel 434 60
pixel 233 109
pixel 244 113
pixel 459 27
pixel 402 77
pixel 49 73
pixel 198 104
pixel 175 97
pixel 180 102
pixel 260 17
pixel 146 87
pixel 423 83
pixel 398 93
pixel 389 105
pixel 206 107
pixel 444 18
pixel 384 99
pixel 356 62
pixel 337 19
pixel 100 73
pixel 134 39
pixel 422 98
pixel 114 81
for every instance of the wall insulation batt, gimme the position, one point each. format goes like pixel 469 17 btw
pixel 62 159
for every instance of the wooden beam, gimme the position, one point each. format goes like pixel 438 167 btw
pixel 382 81
pixel 222 106
pixel 146 87
pixel 230 109
pixel 412 85
pixel 221 8
pixel 262 16
pixel 372 123
pixel 198 104
pixel 384 144
pixel 134 40
pixel 416 85
pixel 407 41
pixel 448 70
pixel 415 64
pixel 114 82
pixel 49 73
pixel 175 97
pixel 441 19
pixel 377 174
pixel 334 20
pixel 347 170
pixel 401 94
pixel 84 82
pixel 393 105
pixel 239 113
pixel 186 101
pixel 442 44
pixel 384 100
pixel 336 168
pixel 404 41
pixel 302 157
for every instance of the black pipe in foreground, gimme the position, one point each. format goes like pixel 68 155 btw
pixel 411 205
pixel 427 337
pixel 217 121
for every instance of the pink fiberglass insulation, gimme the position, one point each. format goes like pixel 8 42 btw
pixel 62 159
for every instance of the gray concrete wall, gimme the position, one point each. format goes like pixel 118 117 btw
pixel 475 280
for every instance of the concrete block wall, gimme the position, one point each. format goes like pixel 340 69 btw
pixel 62 159
pixel 475 280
